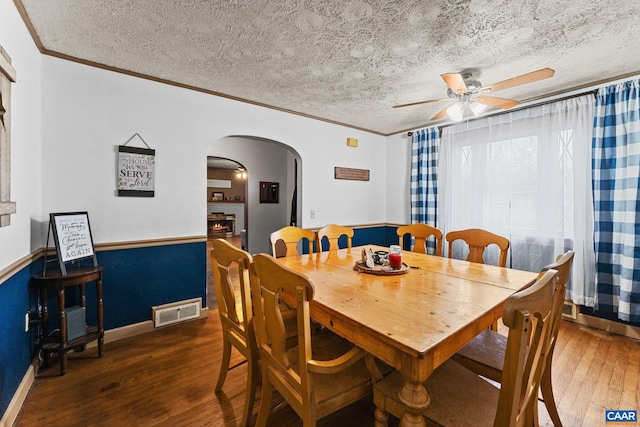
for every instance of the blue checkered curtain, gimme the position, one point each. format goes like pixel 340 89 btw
pixel 424 179
pixel 616 194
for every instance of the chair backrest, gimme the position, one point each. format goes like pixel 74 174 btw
pixel 290 236
pixel 333 232
pixel 478 240
pixel 529 316
pixel 562 265
pixel 225 258
pixel 269 280
pixel 421 232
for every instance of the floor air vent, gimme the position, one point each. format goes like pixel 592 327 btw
pixel 569 310
pixel 181 311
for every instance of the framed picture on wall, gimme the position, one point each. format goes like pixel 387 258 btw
pixel 269 192
pixel 217 196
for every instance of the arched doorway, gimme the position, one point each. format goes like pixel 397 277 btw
pixel 265 161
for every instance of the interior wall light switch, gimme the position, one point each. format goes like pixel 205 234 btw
pixel 352 142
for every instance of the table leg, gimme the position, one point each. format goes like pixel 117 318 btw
pixel 415 399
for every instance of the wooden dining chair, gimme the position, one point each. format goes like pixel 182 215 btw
pixel 485 353
pixel 285 241
pixel 478 240
pixel 332 233
pixel 319 375
pixel 230 267
pixel 460 397
pixel 421 232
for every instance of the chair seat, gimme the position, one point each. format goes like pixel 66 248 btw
pixel 327 346
pixel 459 398
pixel 484 354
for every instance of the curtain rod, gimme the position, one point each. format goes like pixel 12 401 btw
pixel 511 110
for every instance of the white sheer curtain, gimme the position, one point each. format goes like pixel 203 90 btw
pixel 525 175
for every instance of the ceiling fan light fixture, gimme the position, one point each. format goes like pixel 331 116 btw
pixel 455 112
pixel 477 108
pixel 463 89
pixel 463 110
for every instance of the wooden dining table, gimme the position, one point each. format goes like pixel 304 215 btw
pixel 414 321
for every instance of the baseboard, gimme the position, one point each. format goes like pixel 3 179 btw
pixel 607 325
pixel 20 395
pixel 128 331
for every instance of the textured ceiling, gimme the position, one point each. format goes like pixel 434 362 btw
pixel 347 61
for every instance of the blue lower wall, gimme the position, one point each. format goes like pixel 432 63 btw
pixel 15 344
pixel 382 236
pixel 134 281
pixel 137 279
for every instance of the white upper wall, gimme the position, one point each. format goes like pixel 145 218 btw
pixel 91 111
pixel 398 188
pixel 17 240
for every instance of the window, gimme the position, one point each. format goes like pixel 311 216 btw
pixel 525 175
pixel 7 76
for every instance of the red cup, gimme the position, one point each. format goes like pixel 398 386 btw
pixel 395 257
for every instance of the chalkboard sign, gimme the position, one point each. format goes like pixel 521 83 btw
pixel 72 237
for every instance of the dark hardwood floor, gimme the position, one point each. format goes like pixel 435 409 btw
pixel 167 378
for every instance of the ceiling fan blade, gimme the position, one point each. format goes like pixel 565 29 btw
pixel 441 113
pixel 497 102
pixel 531 77
pixel 455 82
pixel 430 101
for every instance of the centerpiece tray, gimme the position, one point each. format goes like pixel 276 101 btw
pixel 380 270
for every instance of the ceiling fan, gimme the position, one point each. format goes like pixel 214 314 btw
pixel 469 96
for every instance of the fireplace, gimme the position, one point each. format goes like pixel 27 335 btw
pixel 220 224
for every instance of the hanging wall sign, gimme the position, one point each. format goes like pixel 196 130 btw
pixel 136 170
